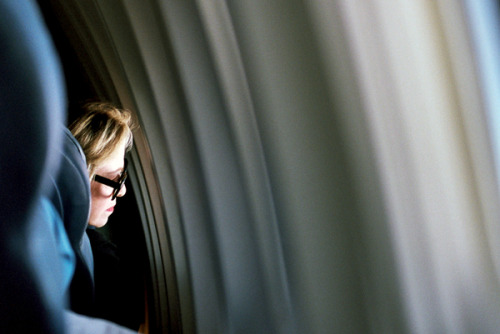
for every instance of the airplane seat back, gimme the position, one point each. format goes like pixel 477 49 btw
pixel 32 102
pixel 71 198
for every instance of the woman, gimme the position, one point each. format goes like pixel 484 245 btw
pixel 105 134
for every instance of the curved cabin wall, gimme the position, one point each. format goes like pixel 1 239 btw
pixel 304 166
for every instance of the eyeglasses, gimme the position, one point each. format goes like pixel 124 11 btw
pixel 116 185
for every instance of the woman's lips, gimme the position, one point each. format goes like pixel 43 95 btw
pixel 111 209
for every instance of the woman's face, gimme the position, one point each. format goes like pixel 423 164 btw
pixel 102 206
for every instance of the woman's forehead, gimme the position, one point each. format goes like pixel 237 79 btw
pixel 110 168
pixel 115 162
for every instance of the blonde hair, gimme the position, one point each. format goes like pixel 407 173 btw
pixel 99 130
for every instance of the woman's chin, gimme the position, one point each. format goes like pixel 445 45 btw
pixel 99 223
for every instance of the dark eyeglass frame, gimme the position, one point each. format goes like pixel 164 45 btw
pixel 116 185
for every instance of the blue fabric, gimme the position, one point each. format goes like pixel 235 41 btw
pixel 32 106
pixel 87 255
pixel 51 249
pixel 71 198
pixel 61 241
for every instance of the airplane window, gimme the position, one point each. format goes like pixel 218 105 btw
pixel 319 165
pixel 120 257
pixel 120 264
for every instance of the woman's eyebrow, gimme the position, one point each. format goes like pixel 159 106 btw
pixel 118 170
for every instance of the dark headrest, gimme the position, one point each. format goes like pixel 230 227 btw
pixel 32 103
pixel 72 190
pixel 71 198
